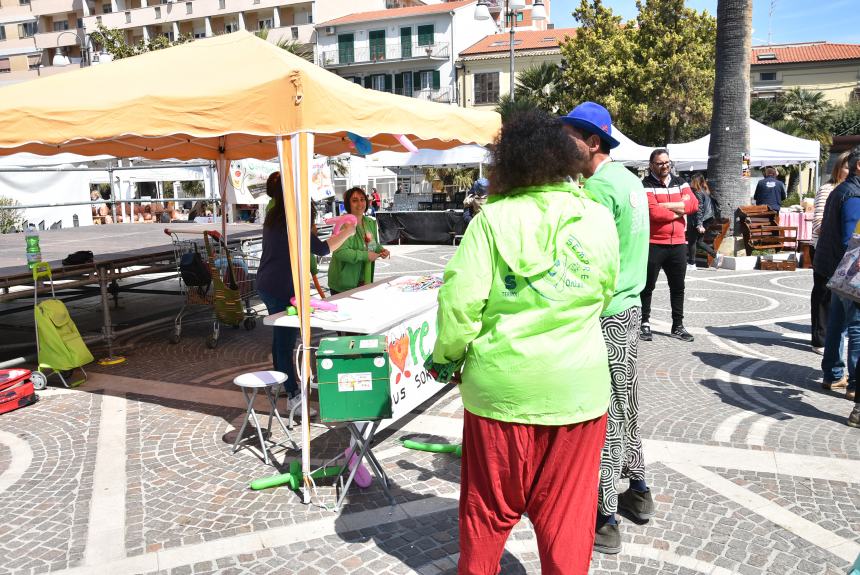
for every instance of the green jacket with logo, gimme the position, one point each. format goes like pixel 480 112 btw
pixel 522 300
pixel 349 264
pixel 622 193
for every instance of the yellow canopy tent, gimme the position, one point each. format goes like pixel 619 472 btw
pixel 229 97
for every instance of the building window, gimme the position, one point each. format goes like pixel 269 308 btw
pixel 426 78
pixel 231 27
pixel 767 76
pixel 189 8
pixel 265 24
pixel 222 4
pixel 4 65
pixel 377 82
pixel 487 88
pixel 128 17
pixel 310 17
pixel 27 29
pixel 106 9
pixel 157 12
pixel 200 34
pixel 60 26
pixel 23 2
pixel 519 18
pixel 425 35
pixel 377 45
pixel 294 32
pixel 2 32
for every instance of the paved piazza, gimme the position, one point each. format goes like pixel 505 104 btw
pixel 751 464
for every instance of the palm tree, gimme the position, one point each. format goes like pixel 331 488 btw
pixel 540 83
pixel 300 49
pixel 809 109
pixel 730 119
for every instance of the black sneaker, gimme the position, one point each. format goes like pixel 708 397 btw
pixel 637 504
pixel 607 539
pixel 645 332
pixel 678 332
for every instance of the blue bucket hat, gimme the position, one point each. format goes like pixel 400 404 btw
pixel 594 119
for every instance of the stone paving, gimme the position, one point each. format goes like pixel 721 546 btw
pixel 751 464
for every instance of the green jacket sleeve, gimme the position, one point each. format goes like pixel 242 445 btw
pixel 462 298
pixel 352 251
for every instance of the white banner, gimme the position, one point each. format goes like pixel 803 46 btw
pixel 409 345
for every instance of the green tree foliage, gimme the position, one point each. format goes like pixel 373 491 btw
pixel 113 42
pixel 654 75
pixel 846 120
pixel 799 112
pixel 11 216
pixel 540 84
pixel 506 106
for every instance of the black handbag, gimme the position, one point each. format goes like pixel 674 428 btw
pixel 78 258
pixel 193 271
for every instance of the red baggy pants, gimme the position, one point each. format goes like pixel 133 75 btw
pixel 549 472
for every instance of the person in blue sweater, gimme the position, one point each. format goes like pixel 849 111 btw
pixel 841 214
pixel 770 192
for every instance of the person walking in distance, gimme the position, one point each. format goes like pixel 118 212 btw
pixel 670 199
pixel 589 125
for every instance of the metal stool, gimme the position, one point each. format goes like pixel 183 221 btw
pixel 250 384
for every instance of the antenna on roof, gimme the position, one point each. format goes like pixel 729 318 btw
pixel 770 20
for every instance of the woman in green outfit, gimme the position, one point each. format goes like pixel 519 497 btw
pixel 352 263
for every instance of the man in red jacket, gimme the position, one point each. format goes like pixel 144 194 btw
pixel 670 199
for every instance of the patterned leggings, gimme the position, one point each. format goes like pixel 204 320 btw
pixel 622 452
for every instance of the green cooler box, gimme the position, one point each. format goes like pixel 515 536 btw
pixel 353 376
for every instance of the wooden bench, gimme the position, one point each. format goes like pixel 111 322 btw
pixel 714 234
pixel 761 230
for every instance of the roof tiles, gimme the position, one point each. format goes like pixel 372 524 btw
pixel 397 13
pixel 806 52
pixel 523 40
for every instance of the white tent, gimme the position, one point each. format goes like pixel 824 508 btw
pixel 768 147
pixel 466 155
pixel 629 152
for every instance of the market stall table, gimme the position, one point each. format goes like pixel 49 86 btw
pixel 404 310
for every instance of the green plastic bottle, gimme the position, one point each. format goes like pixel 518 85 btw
pixel 34 252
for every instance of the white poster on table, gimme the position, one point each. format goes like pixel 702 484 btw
pixel 409 345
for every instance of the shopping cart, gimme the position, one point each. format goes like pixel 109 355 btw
pixel 59 345
pixel 213 276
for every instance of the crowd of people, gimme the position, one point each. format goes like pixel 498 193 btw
pixel 540 317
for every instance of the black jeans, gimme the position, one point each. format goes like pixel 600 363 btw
pixel 696 242
pixel 672 259
pixel 820 309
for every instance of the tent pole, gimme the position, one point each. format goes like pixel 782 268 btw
pixel 222 186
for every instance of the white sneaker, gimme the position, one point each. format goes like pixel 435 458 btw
pixel 718 261
pixel 295 402
pixel 691 267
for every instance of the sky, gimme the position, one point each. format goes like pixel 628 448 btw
pixel 791 20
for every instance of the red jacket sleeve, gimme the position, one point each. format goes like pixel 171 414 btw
pixel 691 202
pixel 657 213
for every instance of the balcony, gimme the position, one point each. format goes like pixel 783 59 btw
pixel 57 39
pixel 390 53
pixel 176 11
pixel 45 7
pixel 443 95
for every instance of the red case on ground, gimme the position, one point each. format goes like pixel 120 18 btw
pixel 16 389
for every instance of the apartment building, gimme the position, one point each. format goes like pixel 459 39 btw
pixel 42 37
pixel 409 51
pixel 833 69
pixel 484 68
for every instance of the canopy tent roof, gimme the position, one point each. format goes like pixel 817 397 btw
pixel 24 160
pixel 232 94
pixel 470 154
pixel 629 152
pixel 768 147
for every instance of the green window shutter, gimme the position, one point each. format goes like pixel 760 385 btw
pixel 416 80
pixel 377 44
pixel 388 82
pixel 398 83
pixel 406 42
pixel 345 48
pixel 368 82
pixel 435 79
pixel 425 35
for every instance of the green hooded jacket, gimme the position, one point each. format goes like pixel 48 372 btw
pixel 522 300
pixel 350 265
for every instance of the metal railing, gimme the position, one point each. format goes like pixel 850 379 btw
pixel 338 57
